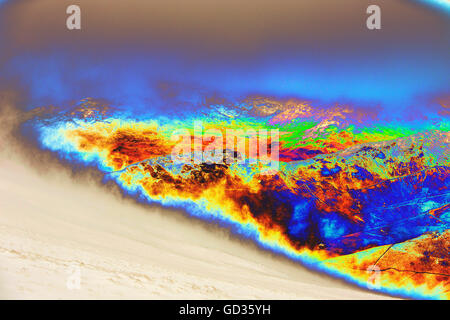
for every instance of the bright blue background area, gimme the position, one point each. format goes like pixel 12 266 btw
pixel 395 76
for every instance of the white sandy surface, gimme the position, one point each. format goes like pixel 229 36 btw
pixel 64 239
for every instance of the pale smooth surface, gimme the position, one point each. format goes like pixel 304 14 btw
pixel 50 223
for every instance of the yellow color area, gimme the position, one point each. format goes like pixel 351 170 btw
pixel 219 194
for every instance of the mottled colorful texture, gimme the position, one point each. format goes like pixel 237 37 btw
pixel 352 191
